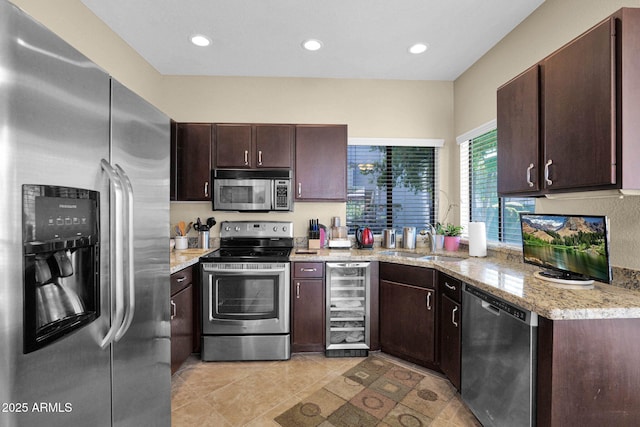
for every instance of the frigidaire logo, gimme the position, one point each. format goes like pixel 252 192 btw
pixel 68 206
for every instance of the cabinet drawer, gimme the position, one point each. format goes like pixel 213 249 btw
pixel 411 275
pixel 181 280
pixel 451 287
pixel 308 269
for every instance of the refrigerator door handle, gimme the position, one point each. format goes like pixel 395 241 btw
pixel 116 240
pixel 130 307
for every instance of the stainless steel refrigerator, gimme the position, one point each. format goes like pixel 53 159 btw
pixel 84 266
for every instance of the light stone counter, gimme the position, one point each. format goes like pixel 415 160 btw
pixel 510 280
pixel 181 259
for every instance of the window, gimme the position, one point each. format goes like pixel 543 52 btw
pixel 479 194
pixel 391 186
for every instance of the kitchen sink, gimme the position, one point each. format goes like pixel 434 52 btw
pixel 441 258
pixel 403 254
pixel 422 256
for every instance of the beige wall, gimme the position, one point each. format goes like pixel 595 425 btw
pixel 552 25
pixel 370 108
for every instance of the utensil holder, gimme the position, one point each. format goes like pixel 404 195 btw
pixel 203 239
pixel 182 242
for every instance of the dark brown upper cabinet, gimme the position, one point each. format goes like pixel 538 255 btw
pixel 321 163
pixel 578 130
pixel 247 146
pixel 518 124
pixel 191 161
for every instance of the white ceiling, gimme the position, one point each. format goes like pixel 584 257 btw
pixel 362 38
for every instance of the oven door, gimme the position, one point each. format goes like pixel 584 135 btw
pixel 242 194
pixel 245 298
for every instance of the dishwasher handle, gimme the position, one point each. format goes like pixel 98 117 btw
pixel 490 308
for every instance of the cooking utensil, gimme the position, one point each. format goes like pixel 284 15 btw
pixel 177 230
pixel 181 227
pixel 188 228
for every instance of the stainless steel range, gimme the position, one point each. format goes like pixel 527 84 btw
pixel 245 292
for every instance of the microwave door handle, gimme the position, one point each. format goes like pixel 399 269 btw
pixel 130 307
pixel 116 261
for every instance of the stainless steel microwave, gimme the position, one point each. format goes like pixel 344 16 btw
pixel 252 190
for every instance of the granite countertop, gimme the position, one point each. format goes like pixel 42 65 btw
pixel 181 259
pixel 509 280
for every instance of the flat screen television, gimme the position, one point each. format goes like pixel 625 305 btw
pixel 574 248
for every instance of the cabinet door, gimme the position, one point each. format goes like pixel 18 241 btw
pixel 233 146
pixel 518 124
pixel 308 315
pixel 579 112
pixel 193 166
pixel 407 321
pixel 181 327
pixel 274 144
pixel 450 337
pixel 321 163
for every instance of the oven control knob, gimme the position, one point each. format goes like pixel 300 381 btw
pixel 284 228
pixel 237 228
pixel 227 228
pixel 275 228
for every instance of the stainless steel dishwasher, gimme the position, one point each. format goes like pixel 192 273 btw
pixel 498 359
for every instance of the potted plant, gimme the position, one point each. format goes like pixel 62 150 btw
pixel 452 237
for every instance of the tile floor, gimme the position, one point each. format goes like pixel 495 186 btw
pixel 226 394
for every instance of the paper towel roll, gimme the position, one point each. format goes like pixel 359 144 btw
pixel 477 239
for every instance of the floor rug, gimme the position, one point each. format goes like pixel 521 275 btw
pixel 374 392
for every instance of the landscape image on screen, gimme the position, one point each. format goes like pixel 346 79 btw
pixel 571 244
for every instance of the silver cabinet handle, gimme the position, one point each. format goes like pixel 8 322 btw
pixel 260 157
pixel 181 279
pixel 308 270
pixel 130 307
pixel 299 189
pixel 453 288
pixel 453 316
pixel 246 157
pixel 116 266
pixel 429 301
pixel 174 309
pixel 206 189
pixel 297 290
pixel 529 175
pixel 546 172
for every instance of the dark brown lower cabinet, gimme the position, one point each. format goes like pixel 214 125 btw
pixel 408 313
pixel 307 307
pixel 450 338
pixel 181 326
pixel 588 372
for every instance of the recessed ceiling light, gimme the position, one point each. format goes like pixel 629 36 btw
pixel 312 44
pixel 418 48
pixel 200 40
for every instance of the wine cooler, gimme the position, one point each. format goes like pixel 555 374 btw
pixel 348 287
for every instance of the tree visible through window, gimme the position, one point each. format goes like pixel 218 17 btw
pixel 391 186
pixel 479 173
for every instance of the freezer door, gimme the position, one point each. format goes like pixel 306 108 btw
pixel 54 129
pixel 140 140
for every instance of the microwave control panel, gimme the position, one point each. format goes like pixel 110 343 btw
pixel 282 194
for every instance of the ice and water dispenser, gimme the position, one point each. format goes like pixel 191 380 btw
pixel 61 262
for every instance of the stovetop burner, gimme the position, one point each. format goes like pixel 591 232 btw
pixel 241 241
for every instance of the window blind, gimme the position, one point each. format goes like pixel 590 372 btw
pixel 479 182
pixel 391 186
